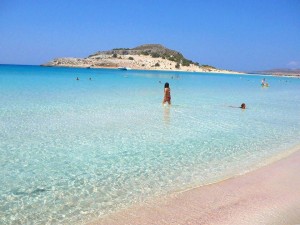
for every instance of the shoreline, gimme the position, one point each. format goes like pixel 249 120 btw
pixel 139 69
pixel 265 195
pixel 209 72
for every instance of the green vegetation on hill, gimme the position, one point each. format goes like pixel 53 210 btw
pixel 154 50
pixel 159 51
pixel 121 48
pixel 208 66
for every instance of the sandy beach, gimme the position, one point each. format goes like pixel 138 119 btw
pixel 269 195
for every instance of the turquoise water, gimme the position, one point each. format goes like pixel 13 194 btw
pixel 76 150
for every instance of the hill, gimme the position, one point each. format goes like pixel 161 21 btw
pixel 146 57
pixel 154 50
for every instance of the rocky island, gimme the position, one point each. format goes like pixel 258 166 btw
pixel 144 57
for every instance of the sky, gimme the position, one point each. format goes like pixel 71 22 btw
pixel 242 35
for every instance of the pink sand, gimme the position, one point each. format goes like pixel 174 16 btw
pixel 269 195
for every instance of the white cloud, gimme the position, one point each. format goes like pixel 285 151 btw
pixel 293 64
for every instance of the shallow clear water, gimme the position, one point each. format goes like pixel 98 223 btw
pixel 75 150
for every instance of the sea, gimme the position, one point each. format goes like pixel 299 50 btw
pixel 72 151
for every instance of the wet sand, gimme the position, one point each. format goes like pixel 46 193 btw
pixel 269 195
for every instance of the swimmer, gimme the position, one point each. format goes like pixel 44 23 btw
pixel 243 106
pixel 264 83
pixel 77 78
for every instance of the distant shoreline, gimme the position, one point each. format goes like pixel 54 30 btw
pixel 138 62
pixel 133 69
pixel 210 72
pixel 276 75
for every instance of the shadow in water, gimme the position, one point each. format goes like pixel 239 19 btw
pixel 167 109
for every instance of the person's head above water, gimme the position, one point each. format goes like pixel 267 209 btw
pixel 243 106
pixel 167 85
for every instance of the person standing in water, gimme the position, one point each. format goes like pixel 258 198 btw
pixel 264 83
pixel 167 94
